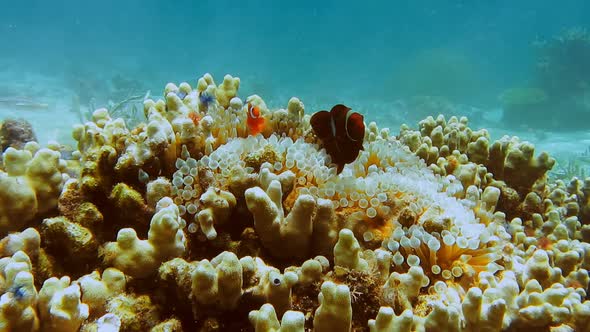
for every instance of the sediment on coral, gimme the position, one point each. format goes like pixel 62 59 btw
pixel 187 222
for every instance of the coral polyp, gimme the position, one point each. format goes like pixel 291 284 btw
pixel 187 222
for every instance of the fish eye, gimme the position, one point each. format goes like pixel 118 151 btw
pixel 276 281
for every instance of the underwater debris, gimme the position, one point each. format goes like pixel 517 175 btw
pixel 572 167
pixel 129 108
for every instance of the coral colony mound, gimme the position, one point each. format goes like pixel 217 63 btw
pixel 188 222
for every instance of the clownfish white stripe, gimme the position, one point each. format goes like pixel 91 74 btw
pixel 348 114
pixel 251 111
pixel 333 126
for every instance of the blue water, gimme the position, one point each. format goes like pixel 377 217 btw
pixel 325 52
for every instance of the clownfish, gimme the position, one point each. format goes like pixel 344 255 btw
pixel 341 131
pixel 256 122
pixel 195 117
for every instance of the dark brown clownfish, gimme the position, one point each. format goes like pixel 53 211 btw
pixel 341 131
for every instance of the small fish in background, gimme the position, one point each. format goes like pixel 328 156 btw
pixel 195 117
pixel 256 122
pixel 342 132
pixel 22 104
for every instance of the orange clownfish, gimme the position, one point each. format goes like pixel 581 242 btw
pixel 256 122
pixel 341 131
pixel 195 117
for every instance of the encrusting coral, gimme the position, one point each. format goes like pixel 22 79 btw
pixel 30 181
pixel 288 235
pixel 140 258
pixel 219 282
pixel 187 222
pixel 265 320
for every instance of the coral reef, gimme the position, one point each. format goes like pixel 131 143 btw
pixel 562 66
pixel 31 180
pixel 559 88
pixel 438 74
pixel 188 223
pixel 522 105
